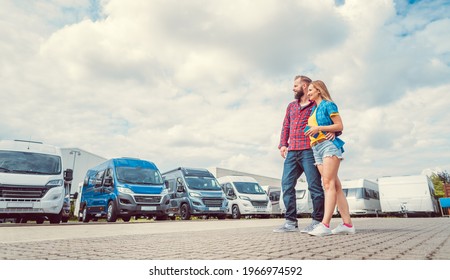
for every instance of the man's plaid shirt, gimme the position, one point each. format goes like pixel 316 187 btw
pixel 292 133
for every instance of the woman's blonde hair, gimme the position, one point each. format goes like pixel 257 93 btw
pixel 322 88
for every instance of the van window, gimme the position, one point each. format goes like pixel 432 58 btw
pixel 249 188
pixel 172 186
pixel 99 178
pixel 137 175
pixel 31 163
pixel 202 183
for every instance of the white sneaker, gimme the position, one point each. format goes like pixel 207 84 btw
pixel 320 230
pixel 341 229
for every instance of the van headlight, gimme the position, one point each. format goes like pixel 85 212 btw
pixel 244 197
pixel 54 183
pixel 125 190
pixel 195 194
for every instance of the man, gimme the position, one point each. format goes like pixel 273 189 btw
pixel 296 150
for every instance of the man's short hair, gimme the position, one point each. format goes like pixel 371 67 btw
pixel 303 79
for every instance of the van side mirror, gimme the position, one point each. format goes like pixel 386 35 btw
pixel 68 175
pixel 108 182
pixel 230 193
pixel 74 196
pixel 166 184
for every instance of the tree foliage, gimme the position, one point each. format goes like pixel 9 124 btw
pixel 439 179
pixel 438 185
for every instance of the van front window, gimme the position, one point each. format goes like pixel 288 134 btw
pixel 29 163
pixel 202 183
pixel 248 188
pixel 139 176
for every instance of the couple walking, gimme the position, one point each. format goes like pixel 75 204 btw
pixel 309 144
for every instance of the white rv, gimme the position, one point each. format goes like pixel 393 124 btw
pixel 408 195
pixel 245 197
pixel 362 196
pixel 304 202
pixel 33 183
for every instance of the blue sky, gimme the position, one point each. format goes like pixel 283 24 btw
pixel 206 83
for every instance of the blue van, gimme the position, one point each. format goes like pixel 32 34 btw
pixel 122 188
pixel 194 192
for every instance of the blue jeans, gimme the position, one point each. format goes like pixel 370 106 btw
pixel 295 164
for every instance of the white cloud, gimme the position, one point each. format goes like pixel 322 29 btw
pixel 206 83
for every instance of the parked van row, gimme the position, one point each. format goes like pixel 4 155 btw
pixel 129 187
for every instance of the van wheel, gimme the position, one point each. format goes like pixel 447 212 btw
pixel 111 216
pixel 80 216
pixel 161 217
pixel 86 218
pixel 235 213
pixel 185 215
pixel 221 217
pixel 55 218
pixel 40 220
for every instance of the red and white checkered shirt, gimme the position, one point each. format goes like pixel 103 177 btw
pixel 292 132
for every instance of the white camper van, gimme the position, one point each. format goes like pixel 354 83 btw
pixel 245 197
pixel 362 196
pixel 304 201
pixel 408 195
pixel 33 184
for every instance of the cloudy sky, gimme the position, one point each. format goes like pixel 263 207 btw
pixel 206 83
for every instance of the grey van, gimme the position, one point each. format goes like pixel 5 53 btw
pixel 194 192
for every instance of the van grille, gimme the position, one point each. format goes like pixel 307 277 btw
pixel 212 202
pixel 22 191
pixel 147 199
pixel 259 203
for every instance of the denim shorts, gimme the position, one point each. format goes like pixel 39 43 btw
pixel 326 149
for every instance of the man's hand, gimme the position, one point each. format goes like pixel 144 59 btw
pixel 330 136
pixel 283 151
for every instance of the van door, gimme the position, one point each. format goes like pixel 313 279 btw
pixel 98 196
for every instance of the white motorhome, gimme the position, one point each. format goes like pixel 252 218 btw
pixel 362 196
pixel 245 197
pixel 303 199
pixel 408 195
pixel 33 184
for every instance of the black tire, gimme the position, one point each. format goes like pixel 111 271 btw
pixel 111 215
pixel 64 219
pixel 235 213
pixel 173 218
pixel 161 217
pixel 55 218
pixel 86 217
pixel 39 220
pixel 126 218
pixel 221 217
pixel 184 212
pixel 80 216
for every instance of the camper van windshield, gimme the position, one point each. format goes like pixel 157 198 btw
pixel 249 188
pixel 202 183
pixel 29 163
pixel 140 176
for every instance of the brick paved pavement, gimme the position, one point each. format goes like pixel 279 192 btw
pixel 376 239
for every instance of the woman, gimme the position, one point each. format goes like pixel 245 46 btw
pixel 328 155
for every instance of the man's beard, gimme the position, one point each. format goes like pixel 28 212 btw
pixel 299 94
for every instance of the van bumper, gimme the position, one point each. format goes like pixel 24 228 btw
pixel 128 207
pixel 51 203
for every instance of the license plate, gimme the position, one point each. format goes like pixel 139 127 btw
pixel 260 210
pixel 214 209
pixel 19 205
pixel 148 208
